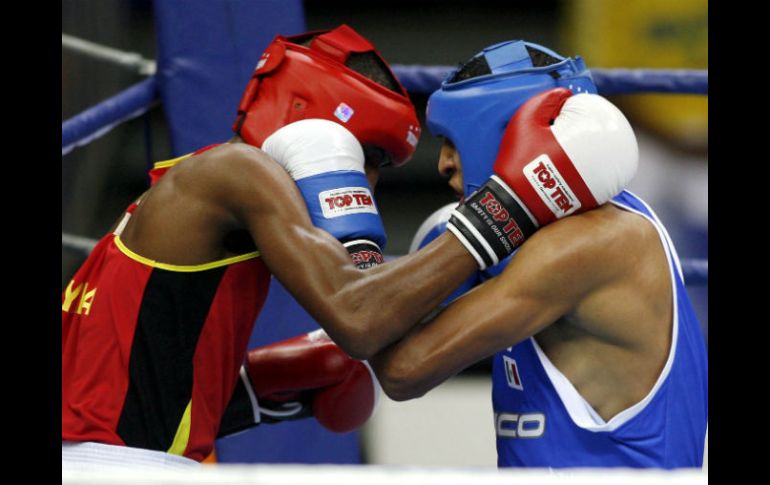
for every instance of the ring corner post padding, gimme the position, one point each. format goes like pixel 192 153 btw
pixel 206 52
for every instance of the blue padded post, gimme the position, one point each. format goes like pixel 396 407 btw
pixel 207 51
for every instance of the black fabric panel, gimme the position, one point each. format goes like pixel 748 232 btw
pixel 174 308
pixel 239 414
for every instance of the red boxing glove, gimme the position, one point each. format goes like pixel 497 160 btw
pixel 311 375
pixel 560 154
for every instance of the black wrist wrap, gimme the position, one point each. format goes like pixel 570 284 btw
pixel 492 223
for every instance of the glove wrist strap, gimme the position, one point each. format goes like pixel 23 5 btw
pixel 364 253
pixel 492 222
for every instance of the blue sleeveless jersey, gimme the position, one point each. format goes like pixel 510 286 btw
pixel 542 421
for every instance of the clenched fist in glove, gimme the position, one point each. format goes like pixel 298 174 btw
pixel 304 376
pixel 327 163
pixel 560 154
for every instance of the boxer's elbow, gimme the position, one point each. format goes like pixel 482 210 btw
pixel 351 337
pixel 402 380
pixel 358 347
pixel 358 329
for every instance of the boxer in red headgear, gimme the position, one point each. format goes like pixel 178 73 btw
pixel 338 76
pixel 156 322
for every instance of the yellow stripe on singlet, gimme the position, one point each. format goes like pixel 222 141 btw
pixel 182 268
pixel 170 163
pixel 182 436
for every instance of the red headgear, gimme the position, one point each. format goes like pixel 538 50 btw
pixel 292 82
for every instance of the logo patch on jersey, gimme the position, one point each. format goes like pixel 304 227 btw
pixel 550 186
pixel 345 201
pixel 512 373
pixel 71 293
pixel 515 425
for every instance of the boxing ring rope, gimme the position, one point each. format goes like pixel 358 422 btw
pixel 136 100
pixel 77 244
pixel 426 79
pixel 417 79
pixel 100 119
pixel 128 104
pixel 131 60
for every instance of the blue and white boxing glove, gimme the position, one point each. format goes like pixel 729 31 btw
pixel 327 163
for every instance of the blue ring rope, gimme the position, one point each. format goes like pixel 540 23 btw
pixel 426 79
pixel 98 120
pixel 136 100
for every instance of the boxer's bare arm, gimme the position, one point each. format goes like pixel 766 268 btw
pixel 574 267
pixel 363 311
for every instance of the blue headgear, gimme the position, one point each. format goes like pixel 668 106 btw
pixel 474 113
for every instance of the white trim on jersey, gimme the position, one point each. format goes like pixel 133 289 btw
pixel 119 229
pixel 581 412
pixel 441 216
pixel 663 230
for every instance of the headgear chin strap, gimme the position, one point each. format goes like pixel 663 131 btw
pixel 473 113
pixel 292 82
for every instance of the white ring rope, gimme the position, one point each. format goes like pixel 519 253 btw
pixel 133 60
pixel 77 243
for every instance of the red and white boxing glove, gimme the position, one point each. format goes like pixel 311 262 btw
pixel 310 375
pixel 561 154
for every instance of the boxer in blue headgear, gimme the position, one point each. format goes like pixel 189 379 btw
pixel 598 356
pixel 476 101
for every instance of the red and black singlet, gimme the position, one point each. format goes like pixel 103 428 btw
pixel 151 351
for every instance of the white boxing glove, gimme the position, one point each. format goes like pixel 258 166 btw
pixel 315 146
pixel 327 163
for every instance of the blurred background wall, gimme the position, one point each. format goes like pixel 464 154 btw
pixel 451 425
